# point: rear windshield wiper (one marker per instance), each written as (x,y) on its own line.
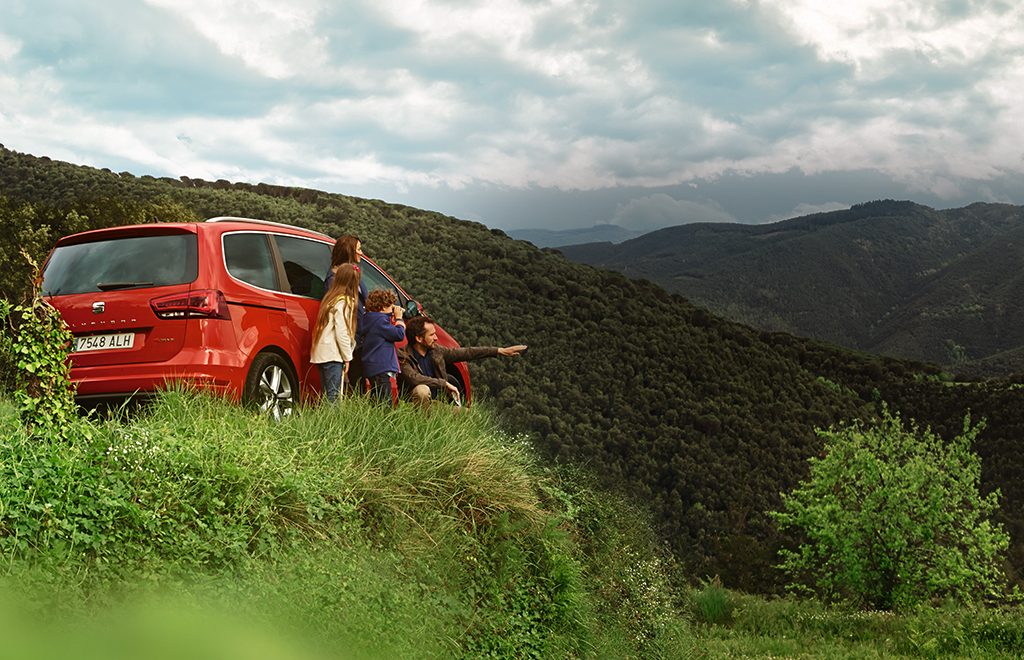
(110,286)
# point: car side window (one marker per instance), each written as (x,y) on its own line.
(305,264)
(374,279)
(247,257)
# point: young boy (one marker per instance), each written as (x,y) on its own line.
(382,327)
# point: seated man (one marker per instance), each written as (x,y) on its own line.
(423,361)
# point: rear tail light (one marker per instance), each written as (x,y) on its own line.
(204,304)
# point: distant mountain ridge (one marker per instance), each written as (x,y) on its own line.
(888,277)
(557,237)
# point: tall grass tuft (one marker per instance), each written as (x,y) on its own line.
(420,472)
(713,604)
(388,533)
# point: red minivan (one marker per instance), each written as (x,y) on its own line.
(226,304)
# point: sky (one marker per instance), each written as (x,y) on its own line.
(549,114)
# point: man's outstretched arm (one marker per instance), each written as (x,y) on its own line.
(475,352)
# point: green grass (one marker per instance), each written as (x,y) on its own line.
(352,528)
(196,529)
(804,629)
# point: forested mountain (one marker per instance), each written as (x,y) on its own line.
(887,277)
(703,419)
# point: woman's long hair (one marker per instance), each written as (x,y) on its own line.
(344,285)
(345,250)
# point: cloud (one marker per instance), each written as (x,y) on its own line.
(454,95)
(276,39)
(8,47)
(868,31)
(660,210)
(125,59)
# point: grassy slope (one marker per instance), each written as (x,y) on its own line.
(199,530)
(388,532)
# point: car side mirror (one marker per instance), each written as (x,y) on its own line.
(412,308)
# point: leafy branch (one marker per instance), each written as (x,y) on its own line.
(36,341)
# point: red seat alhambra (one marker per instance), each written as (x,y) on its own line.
(225,304)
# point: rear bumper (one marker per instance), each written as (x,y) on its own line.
(128,379)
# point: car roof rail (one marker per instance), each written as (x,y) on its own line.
(231,218)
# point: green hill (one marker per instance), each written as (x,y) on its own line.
(886,277)
(703,420)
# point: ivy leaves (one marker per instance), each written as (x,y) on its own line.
(36,340)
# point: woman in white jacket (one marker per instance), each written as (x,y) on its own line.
(334,335)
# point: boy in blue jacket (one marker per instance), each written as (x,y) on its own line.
(382,327)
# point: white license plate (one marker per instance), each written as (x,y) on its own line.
(104,342)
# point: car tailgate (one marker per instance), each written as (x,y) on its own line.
(123,327)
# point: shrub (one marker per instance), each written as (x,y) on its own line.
(893,518)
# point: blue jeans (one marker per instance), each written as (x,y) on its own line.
(330,379)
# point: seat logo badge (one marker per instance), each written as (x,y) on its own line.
(99,307)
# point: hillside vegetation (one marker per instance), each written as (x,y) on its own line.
(198,529)
(201,529)
(886,277)
(703,420)
(384,533)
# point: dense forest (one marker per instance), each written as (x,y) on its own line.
(887,277)
(703,419)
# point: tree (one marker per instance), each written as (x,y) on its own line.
(892,517)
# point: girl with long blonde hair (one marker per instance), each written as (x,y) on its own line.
(334,334)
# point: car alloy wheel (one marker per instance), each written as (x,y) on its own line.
(270,386)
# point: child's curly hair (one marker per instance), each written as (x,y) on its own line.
(380,299)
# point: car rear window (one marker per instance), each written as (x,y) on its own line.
(305,263)
(247,257)
(122,263)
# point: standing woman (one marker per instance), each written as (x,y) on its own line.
(348,249)
(334,335)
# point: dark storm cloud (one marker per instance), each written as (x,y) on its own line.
(540,113)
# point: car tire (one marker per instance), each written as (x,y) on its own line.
(271,386)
